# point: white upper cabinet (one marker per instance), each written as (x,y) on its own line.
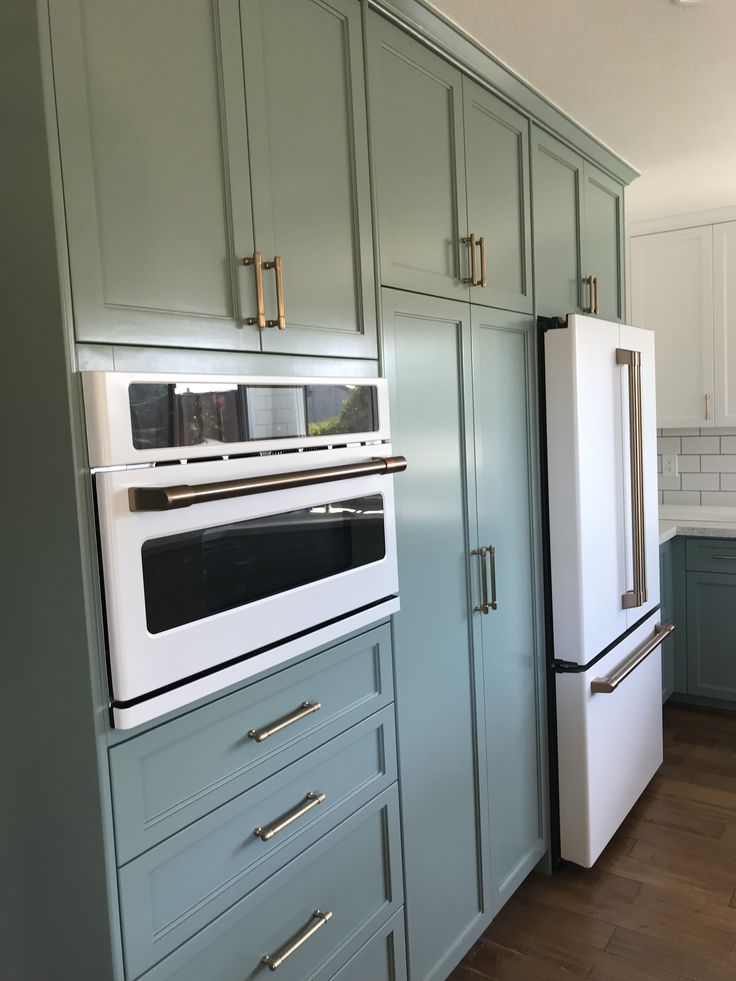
(724,321)
(672,293)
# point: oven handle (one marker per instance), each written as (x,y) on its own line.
(182,495)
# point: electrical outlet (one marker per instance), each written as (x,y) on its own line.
(669,464)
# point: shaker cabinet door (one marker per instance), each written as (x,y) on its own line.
(711,624)
(603,241)
(304,83)
(416,109)
(497,173)
(154,161)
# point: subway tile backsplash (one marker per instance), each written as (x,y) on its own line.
(706,467)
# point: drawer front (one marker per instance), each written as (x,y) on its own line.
(383,958)
(353,873)
(711,554)
(168,777)
(177,888)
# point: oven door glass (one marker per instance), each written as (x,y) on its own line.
(195,574)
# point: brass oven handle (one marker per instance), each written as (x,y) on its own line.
(318,920)
(492,559)
(638,595)
(483,271)
(305,709)
(484,606)
(256,261)
(605,686)
(472,279)
(278,266)
(183,495)
(311,800)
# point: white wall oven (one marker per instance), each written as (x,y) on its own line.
(242,521)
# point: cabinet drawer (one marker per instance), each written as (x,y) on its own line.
(170,776)
(177,888)
(383,958)
(711,555)
(353,874)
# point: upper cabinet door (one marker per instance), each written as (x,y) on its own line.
(557,175)
(304,84)
(724,322)
(151,122)
(497,174)
(672,294)
(415,101)
(603,244)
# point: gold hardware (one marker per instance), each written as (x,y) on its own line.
(483,275)
(596,304)
(256,261)
(604,686)
(588,281)
(484,606)
(274,961)
(310,801)
(184,495)
(305,709)
(725,558)
(707,407)
(492,557)
(472,279)
(638,595)
(278,266)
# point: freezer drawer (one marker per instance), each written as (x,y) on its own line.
(609,742)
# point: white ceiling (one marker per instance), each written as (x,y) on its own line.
(654,81)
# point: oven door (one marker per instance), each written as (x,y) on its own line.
(195,589)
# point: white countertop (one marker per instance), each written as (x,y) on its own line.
(699,522)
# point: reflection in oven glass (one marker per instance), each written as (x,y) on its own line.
(193,575)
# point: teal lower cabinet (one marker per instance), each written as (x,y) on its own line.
(711,630)
(667,616)
(469,684)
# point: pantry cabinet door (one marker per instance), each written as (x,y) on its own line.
(304,82)
(497,173)
(724,322)
(603,241)
(154,157)
(416,111)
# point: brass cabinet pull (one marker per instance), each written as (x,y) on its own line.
(256,261)
(318,920)
(311,800)
(594,295)
(724,558)
(605,686)
(483,272)
(484,606)
(278,266)
(472,279)
(588,281)
(707,407)
(492,558)
(305,709)
(638,595)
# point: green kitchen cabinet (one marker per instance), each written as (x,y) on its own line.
(176,169)
(469,685)
(452,177)
(666,591)
(711,627)
(578,233)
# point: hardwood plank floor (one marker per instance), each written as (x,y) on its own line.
(661,901)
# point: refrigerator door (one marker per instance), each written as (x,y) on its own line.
(609,743)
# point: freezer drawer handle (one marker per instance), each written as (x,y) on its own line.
(317,921)
(182,495)
(604,686)
(638,595)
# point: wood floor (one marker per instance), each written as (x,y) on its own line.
(661,902)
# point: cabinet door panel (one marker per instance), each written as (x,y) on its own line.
(603,240)
(513,668)
(151,122)
(440,707)
(497,171)
(724,318)
(672,294)
(309,168)
(711,625)
(667,600)
(416,125)
(557,177)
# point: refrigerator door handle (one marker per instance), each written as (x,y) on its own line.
(605,686)
(638,595)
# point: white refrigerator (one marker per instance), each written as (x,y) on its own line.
(603,575)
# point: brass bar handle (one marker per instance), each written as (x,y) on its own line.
(588,281)
(318,920)
(311,800)
(707,407)
(305,709)
(184,495)
(724,558)
(256,261)
(605,686)
(596,300)
(484,606)
(492,559)
(483,270)
(638,595)
(472,279)
(278,266)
